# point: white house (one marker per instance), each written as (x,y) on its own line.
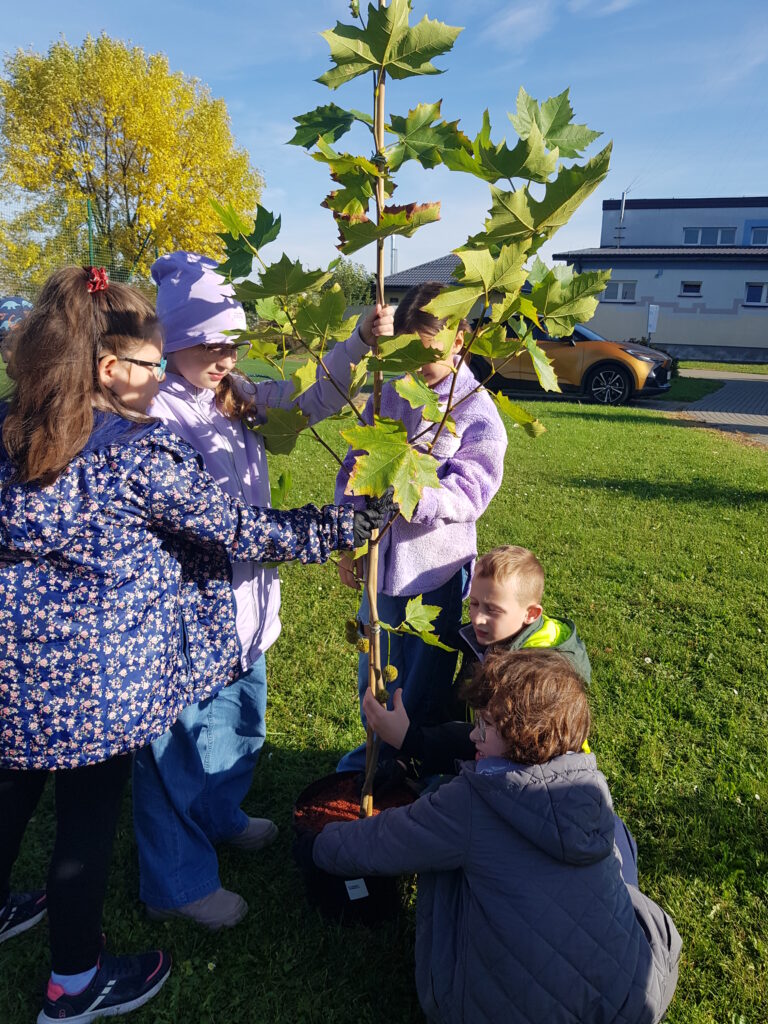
(703,262)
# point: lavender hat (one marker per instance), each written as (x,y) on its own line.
(194,304)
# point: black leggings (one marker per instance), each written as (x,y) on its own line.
(87,808)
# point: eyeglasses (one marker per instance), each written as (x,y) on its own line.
(222,350)
(157,368)
(480,724)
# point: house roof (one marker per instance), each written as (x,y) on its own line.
(435,270)
(723,203)
(690,253)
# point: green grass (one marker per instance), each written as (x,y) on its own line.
(653,535)
(732,367)
(689,389)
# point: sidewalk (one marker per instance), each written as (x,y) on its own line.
(741,404)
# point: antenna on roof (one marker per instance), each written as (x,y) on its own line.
(392,256)
(620,227)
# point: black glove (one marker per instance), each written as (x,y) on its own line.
(375,514)
(302,848)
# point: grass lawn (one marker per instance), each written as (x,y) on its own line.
(689,389)
(732,367)
(653,535)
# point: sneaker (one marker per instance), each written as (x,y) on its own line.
(258,833)
(121,984)
(219,909)
(23,910)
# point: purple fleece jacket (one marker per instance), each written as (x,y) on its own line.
(421,555)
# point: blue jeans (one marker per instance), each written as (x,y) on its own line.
(425,673)
(188,786)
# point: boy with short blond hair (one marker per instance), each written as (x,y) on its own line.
(506,614)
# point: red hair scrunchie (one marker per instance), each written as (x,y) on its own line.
(97,279)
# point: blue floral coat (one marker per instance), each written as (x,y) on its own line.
(116,606)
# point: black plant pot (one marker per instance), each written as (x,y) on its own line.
(367,900)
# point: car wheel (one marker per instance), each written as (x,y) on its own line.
(609,385)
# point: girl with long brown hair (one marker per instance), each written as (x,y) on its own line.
(114,545)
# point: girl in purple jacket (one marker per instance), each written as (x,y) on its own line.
(188,787)
(433,554)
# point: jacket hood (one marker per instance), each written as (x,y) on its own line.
(563,807)
(36,521)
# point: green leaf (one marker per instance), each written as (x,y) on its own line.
(323,320)
(517,216)
(230,218)
(419,621)
(304,378)
(389,460)
(564,298)
(520,416)
(387,43)
(341,164)
(262,346)
(244,239)
(420,138)
(542,364)
(553,120)
(494,342)
(357,232)
(278,489)
(282,428)
(283,278)
(419,395)
(454,304)
(357,377)
(329,121)
(505,274)
(403,354)
(490,161)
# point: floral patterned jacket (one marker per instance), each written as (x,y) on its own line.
(116,606)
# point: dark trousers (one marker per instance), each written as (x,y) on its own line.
(87,808)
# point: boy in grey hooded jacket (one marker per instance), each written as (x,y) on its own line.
(522,914)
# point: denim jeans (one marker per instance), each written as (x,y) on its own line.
(425,673)
(188,786)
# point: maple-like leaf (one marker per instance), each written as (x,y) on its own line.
(517,216)
(323,320)
(419,395)
(504,273)
(357,232)
(419,138)
(530,159)
(283,278)
(553,121)
(386,43)
(388,460)
(242,238)
(493,341)
(454,304)
(304,378)
(282,428)
(520,416)
(357,377)
(419,621)
(542,364)
(279,488)
(329,122)
(402,354)
(564,298)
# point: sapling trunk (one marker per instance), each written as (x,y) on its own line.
(375,679)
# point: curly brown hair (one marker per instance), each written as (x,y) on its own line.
(537,701)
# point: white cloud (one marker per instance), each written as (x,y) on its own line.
(524,22)
(599,10)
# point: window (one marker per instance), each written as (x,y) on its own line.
(759,236)
(710,236)
(619,291)
(690,288)
(756,294)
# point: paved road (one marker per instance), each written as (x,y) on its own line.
(741,404)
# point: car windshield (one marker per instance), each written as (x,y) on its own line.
(580,333)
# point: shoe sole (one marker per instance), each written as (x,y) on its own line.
(109,1011)
(156,914)
(257,844)
(23,926)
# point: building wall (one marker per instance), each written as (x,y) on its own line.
(665,226)
(715,325)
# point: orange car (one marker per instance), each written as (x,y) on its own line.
(608,372)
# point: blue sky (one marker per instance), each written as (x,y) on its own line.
(681,86)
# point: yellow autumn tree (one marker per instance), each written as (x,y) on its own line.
(107,123)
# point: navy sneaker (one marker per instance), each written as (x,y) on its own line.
(121,984)
(22,911)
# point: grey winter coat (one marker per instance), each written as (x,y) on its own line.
(523,917)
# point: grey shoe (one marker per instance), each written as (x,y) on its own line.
(258,833)
(219,909)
